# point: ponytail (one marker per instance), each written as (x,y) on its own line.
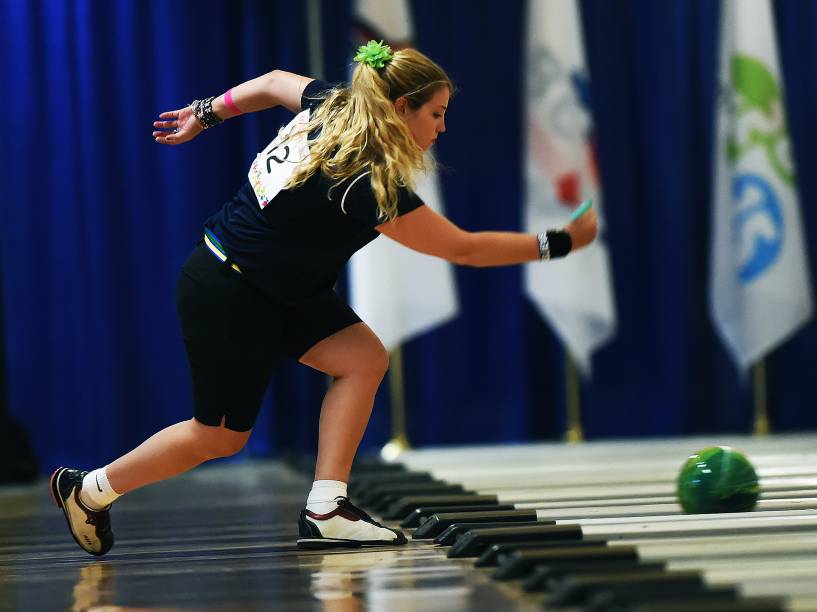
(360,129)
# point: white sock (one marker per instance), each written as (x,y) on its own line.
(322,496)
(96,490)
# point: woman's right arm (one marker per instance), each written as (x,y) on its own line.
(276,88)
(428,232)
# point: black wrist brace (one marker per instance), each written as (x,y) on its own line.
(559,242)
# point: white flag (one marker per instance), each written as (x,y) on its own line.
(575,294)
(760,287)
(398,292)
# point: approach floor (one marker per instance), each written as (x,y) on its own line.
(222,538)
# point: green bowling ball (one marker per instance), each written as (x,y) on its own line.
(717,479)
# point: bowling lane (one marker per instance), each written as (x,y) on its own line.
(632,471)
(766,506)
(778,450)
(616,500)
(783,495)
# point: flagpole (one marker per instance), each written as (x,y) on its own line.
(761,407)
(574,432)
(314,29)
(399,440)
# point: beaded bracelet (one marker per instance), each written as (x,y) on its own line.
(203,112)
(544,246)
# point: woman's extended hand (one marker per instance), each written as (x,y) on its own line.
(176,127)
(583,230)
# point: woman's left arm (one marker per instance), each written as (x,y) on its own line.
(428,232)
(276,88)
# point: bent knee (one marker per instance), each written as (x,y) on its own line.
(226,447)
(216,442)
(371,364)
(352,352)
(380,361)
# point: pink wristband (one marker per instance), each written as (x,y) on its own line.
(228,101)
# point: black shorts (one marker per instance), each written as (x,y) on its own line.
(235,336)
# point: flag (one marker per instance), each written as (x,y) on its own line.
(760,288)
(398,292)
(574,294)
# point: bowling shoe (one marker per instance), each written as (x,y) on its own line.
(90,528)
(345,526)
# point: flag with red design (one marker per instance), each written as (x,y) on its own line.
(574,294)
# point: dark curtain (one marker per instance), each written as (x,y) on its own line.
(98,219)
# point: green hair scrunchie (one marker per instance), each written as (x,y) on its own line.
(374,53)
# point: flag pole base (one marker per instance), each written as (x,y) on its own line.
(761,427)
(761,408)
(574,432)
(394,448)
(574,435)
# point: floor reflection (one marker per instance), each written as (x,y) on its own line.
(340,579)
(94,589)
(389,580)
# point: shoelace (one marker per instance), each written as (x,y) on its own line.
(345,503)
(99,519)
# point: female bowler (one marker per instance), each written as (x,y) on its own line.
(259,286)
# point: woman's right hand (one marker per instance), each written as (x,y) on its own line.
(176,127)
(583,230)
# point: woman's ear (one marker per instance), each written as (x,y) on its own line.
(400,105)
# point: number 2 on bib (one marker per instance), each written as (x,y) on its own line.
(273,167)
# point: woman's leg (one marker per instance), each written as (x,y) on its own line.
(231,356)
(357,361)
(171,451)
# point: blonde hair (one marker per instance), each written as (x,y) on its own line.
(359,128)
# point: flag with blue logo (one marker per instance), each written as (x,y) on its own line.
(574,294)
(760,284)
(398,292)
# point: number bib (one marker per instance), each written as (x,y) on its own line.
(273,167)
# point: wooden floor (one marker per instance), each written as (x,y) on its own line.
(222,538)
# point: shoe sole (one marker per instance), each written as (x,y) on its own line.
(317,543)
(55,495)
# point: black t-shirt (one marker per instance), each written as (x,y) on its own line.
(294,242)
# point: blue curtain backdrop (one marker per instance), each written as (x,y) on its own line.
(97,220)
